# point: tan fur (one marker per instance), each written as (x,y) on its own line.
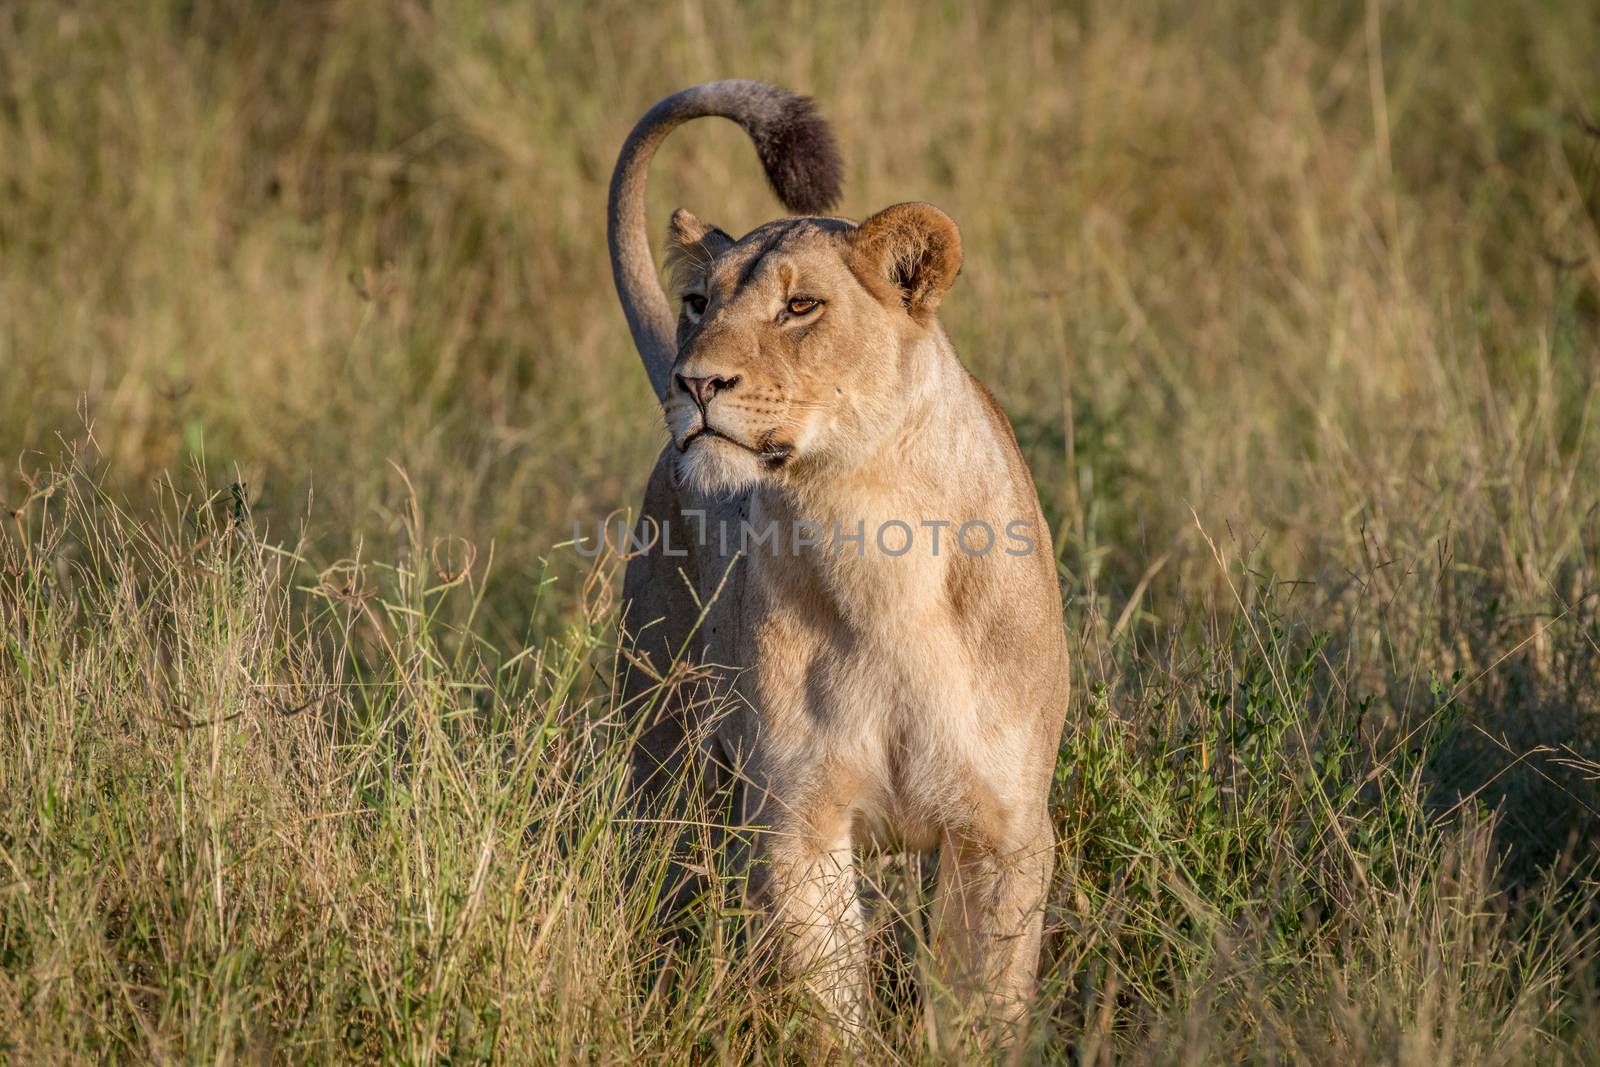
(903,701)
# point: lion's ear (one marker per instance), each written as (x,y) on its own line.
(691,245)
(910,253)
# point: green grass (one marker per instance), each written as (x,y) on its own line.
(310,362)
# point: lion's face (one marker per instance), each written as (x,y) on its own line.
(792,341)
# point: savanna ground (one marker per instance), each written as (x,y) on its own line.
(311,361)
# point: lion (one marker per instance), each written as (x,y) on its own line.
(889,690)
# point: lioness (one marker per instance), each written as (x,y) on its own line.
(895,689)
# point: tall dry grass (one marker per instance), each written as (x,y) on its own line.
(311,361)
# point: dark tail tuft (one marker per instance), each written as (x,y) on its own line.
(799,153)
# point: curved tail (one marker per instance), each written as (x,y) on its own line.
(802,164)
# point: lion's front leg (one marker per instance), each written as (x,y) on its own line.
(805,883)
(988,917)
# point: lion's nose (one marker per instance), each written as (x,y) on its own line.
(703,389)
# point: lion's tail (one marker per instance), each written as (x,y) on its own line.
(802,164)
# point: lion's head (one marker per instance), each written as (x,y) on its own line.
(794,341)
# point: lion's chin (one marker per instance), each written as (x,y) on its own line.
(717,467)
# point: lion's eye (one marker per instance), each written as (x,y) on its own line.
(802,306)
(696,303)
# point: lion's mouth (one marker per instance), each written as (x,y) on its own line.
(772,451)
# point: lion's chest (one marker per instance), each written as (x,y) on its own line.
(874,703)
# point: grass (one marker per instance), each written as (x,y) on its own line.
(311,362)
